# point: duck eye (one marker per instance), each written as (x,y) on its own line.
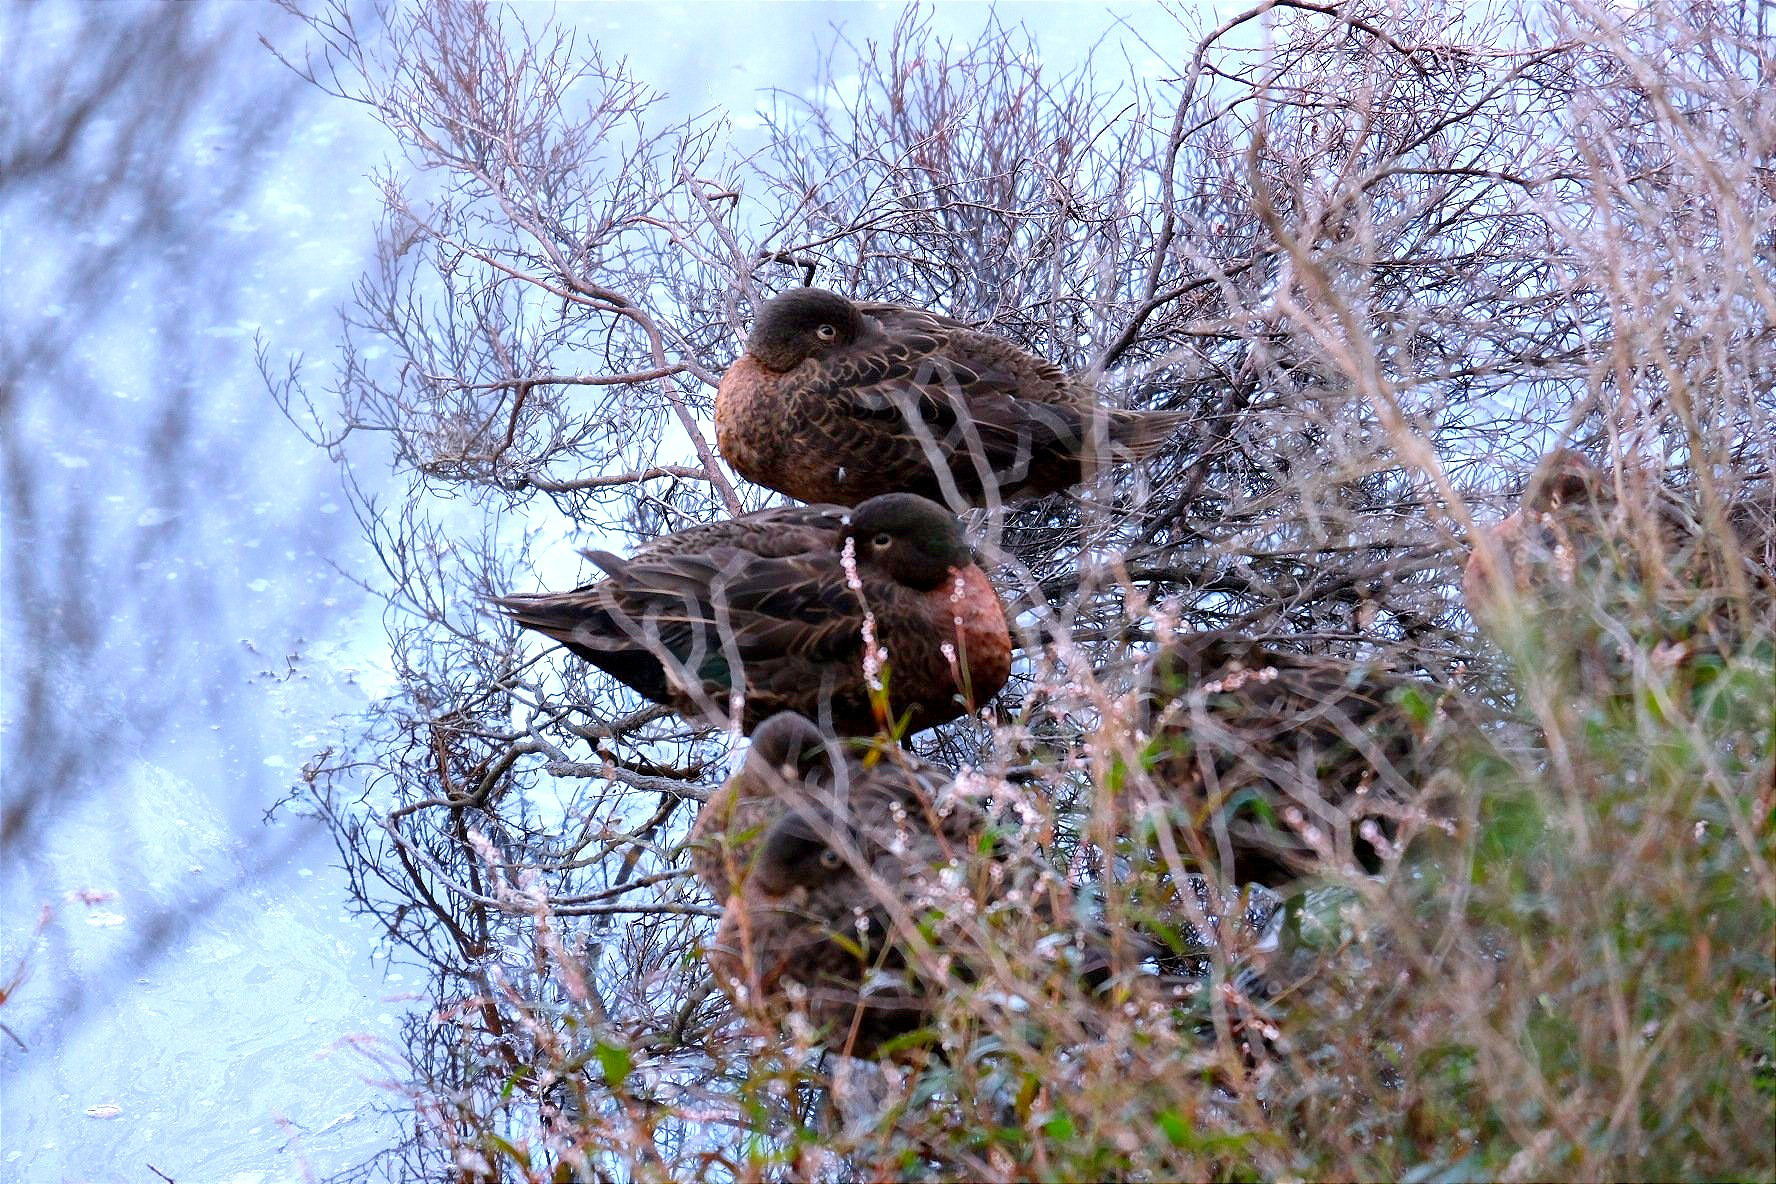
(829,858)
(882,539)
(826,332)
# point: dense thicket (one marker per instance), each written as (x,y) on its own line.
(1386,258)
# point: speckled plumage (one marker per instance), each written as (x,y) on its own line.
(832,853)
(1259,746)
(902,399)
(813,855)
(763,602)
(1585,541)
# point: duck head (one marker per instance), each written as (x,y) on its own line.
(800,323)
(911,538)
(787,749)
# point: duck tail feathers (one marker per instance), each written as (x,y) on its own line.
(1143,433)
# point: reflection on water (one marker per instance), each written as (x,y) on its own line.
(175,643)
(205,1007)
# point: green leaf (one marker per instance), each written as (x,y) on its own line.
(615,1062)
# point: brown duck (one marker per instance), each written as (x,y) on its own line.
(1586,546)
(1276,758)
(1531,546)
(830,854)
(770,782)
(835,401)
(768,606)
(810,927)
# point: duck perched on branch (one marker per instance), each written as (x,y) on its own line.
(1591,552)
(858,879)
(1280,762)
(841,401)
(865,619)
(771,780)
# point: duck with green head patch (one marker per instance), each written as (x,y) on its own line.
(774,606)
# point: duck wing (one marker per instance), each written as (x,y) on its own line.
(953,407)
(901,318)
(711,611)
(976,402)
(778,532)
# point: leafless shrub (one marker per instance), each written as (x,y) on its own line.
(1386,259)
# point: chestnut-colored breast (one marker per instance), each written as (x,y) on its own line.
(967,609)
(1483,587)
(750,422)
